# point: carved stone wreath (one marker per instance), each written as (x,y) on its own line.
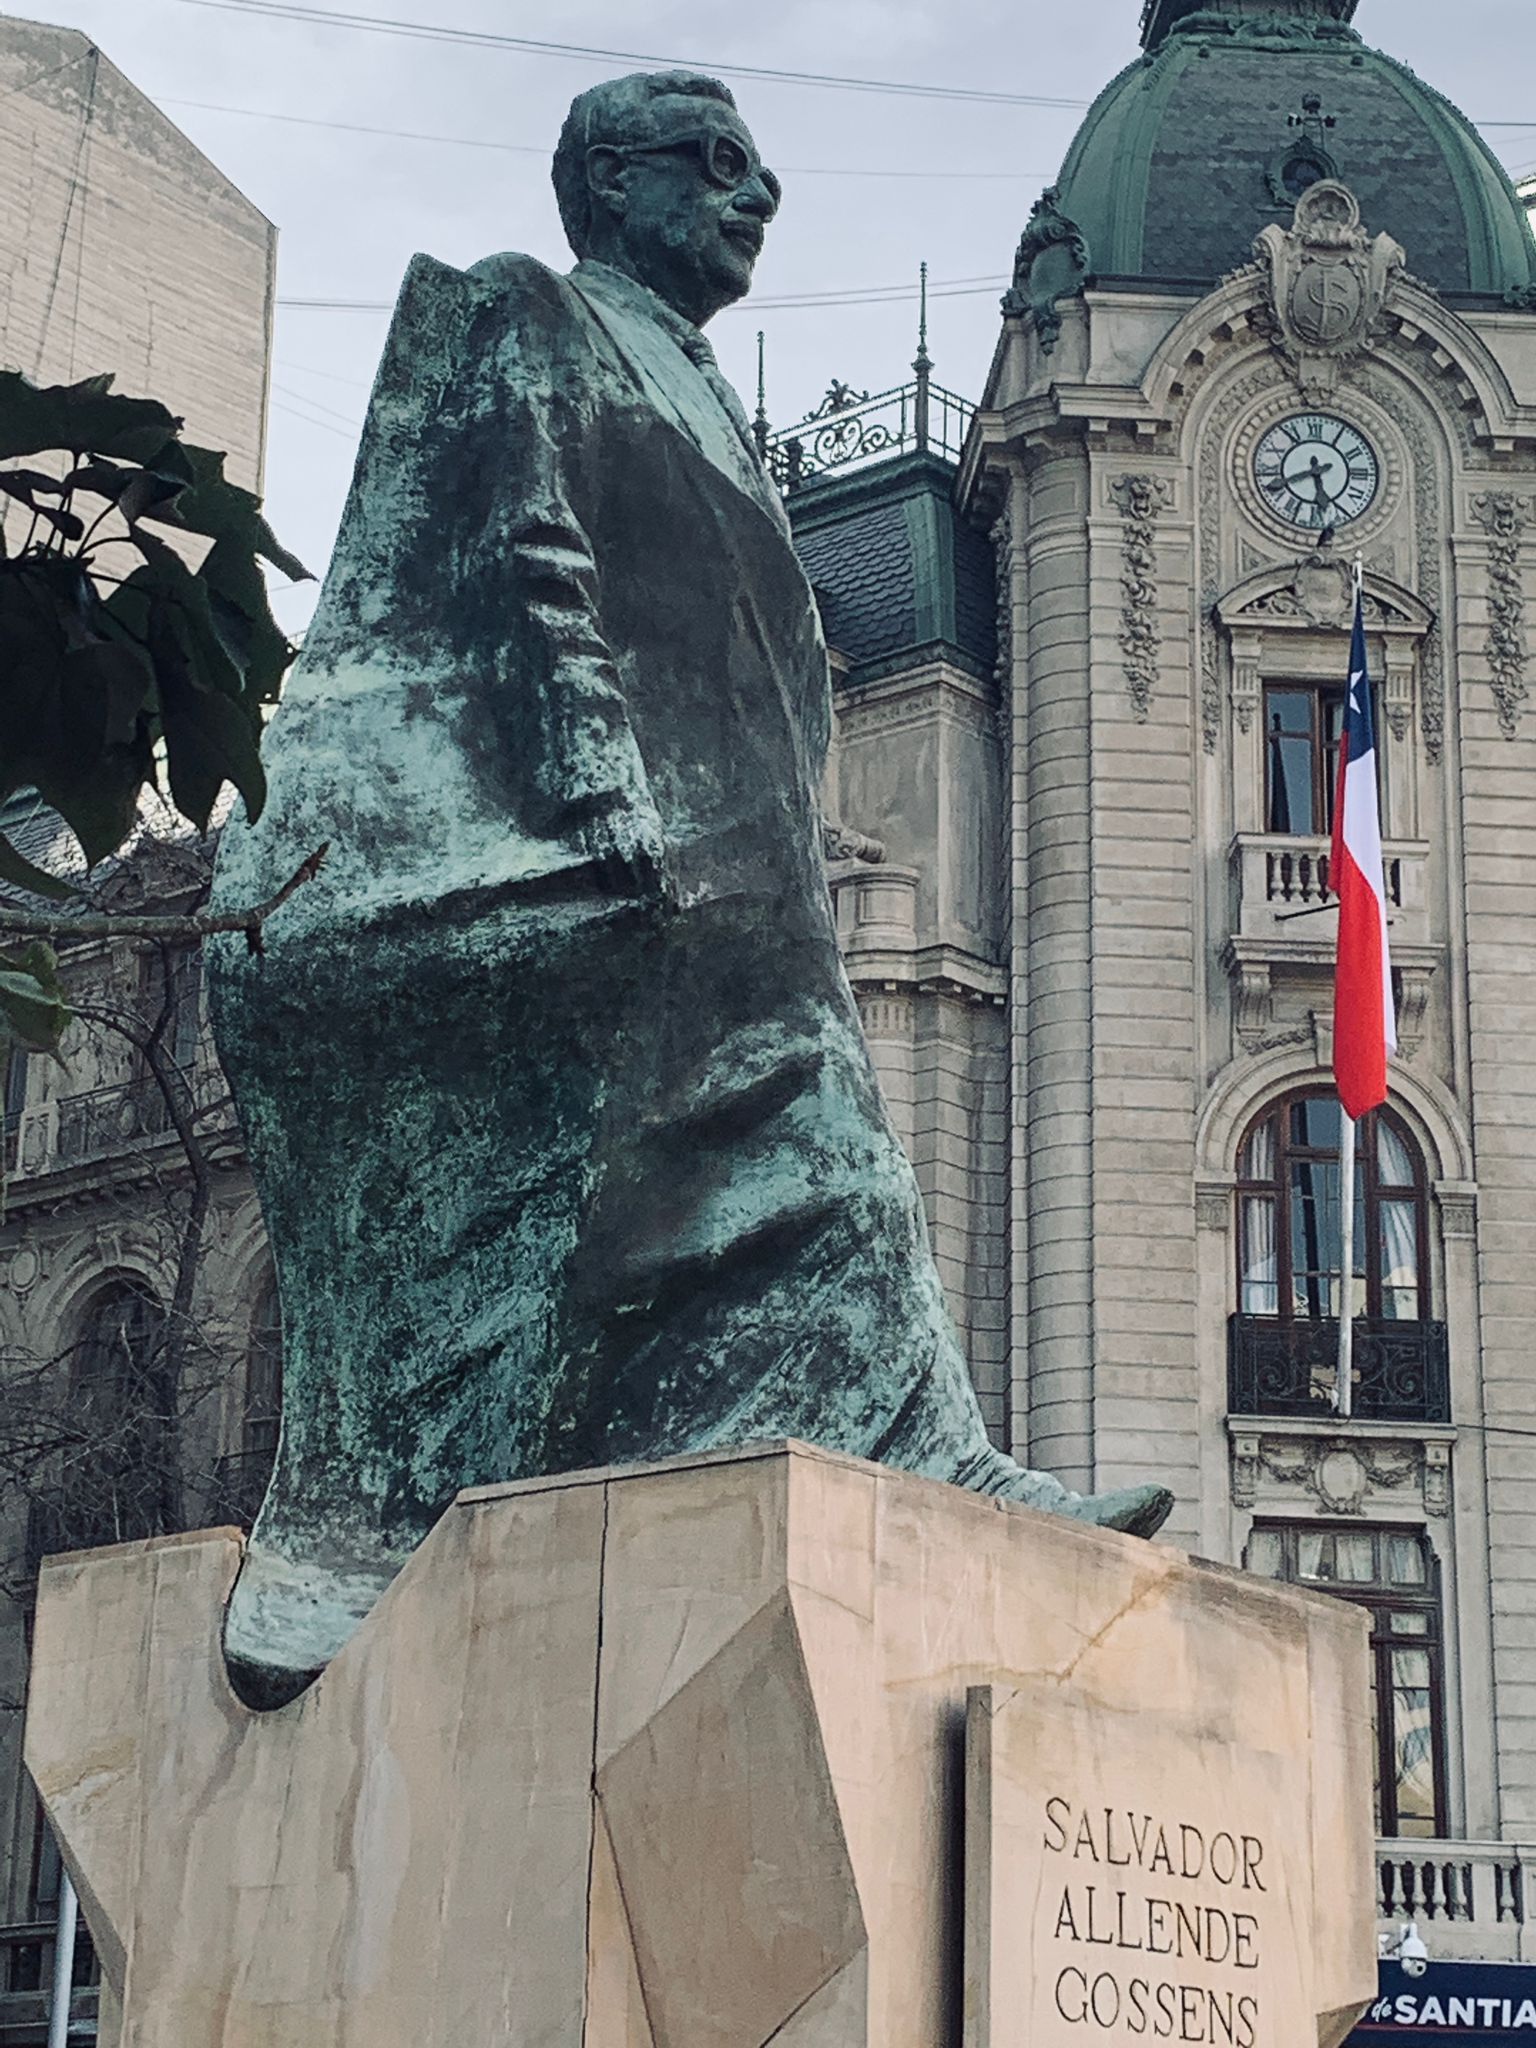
(1140,499)
(1340,1472)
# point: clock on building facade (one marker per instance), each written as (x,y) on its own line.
(1316,470)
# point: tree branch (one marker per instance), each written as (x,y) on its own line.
(188,930)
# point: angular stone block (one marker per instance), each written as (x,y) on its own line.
(675,1757)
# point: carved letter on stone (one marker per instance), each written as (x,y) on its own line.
(1504,518)
(1328,280)
(1140,499)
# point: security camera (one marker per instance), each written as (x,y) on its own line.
(1411,1952)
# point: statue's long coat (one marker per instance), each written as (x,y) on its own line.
(568,1143)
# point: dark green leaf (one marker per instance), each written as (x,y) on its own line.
(23,875)
(88,416)
(168,581)
(33,1010)
(237,593)
(22,483)
(224,512)
(210,739)
(104,691)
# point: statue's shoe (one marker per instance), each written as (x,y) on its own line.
(1138,1510)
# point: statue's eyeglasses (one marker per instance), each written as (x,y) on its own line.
(725,161)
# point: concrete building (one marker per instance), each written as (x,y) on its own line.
(122,249)
(1278,312)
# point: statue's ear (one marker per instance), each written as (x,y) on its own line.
(605,179)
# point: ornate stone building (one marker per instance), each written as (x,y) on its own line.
(1089,646)
(122,249)
(1278,313)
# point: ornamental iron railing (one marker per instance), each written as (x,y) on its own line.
(109,1120)
(1402,1370)
(851,429)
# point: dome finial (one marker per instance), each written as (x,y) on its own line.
(1158,17)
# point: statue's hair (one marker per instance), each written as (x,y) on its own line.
(618,112)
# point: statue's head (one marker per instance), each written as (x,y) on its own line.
(658,175)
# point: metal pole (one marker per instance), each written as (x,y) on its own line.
(922,365)
(63,1963)
(1344,1377)
(1344,1382)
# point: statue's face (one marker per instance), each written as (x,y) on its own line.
(687,208)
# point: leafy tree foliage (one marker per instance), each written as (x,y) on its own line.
(123,657)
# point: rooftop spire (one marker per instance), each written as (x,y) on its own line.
(1158,17)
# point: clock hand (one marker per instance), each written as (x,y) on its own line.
(1319,473)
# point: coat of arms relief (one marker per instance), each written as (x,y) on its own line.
(1329,281)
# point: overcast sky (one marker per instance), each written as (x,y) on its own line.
(874,182)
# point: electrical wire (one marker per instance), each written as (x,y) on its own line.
(379,24)
(544,151)
(871,295)
(280,405)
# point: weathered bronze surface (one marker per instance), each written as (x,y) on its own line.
(567,1139)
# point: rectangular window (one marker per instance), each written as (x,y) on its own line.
(1393,1575)
(1302,726)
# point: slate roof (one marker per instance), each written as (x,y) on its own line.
(1170,175)
(894,566)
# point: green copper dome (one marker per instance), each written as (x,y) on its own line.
(1237,105)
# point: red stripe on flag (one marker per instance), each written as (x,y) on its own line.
(1359,1002)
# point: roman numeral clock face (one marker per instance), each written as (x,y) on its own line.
(1315,470)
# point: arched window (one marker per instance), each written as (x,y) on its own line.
(1288,1216)
(1283,1345)
(264,1379)
(247,1468)
(114,1479)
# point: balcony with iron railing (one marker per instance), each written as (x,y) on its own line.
(1469,1900)
(1401,1369)
(1280,889)
(851,429)
(67,1132)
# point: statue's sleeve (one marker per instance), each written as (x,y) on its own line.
(469,554)
(551,400)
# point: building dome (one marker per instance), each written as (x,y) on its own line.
(1237,105)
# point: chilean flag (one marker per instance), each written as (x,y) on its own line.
(1364,1015)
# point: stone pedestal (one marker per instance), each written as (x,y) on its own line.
(766,1746)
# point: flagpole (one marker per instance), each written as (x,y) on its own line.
(1344,1382)
(1344,1377)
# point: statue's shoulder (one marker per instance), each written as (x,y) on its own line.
(521,280)
(523,276)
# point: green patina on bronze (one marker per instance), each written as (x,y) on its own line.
(556,1096)
(567,1139)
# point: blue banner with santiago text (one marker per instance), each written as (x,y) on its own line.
(1469,2003)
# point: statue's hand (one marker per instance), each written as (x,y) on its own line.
(623,841)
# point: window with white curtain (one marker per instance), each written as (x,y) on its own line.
(1288,1216)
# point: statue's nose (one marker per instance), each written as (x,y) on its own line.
(756,197)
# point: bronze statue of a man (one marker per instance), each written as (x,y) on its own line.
(568,1142)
